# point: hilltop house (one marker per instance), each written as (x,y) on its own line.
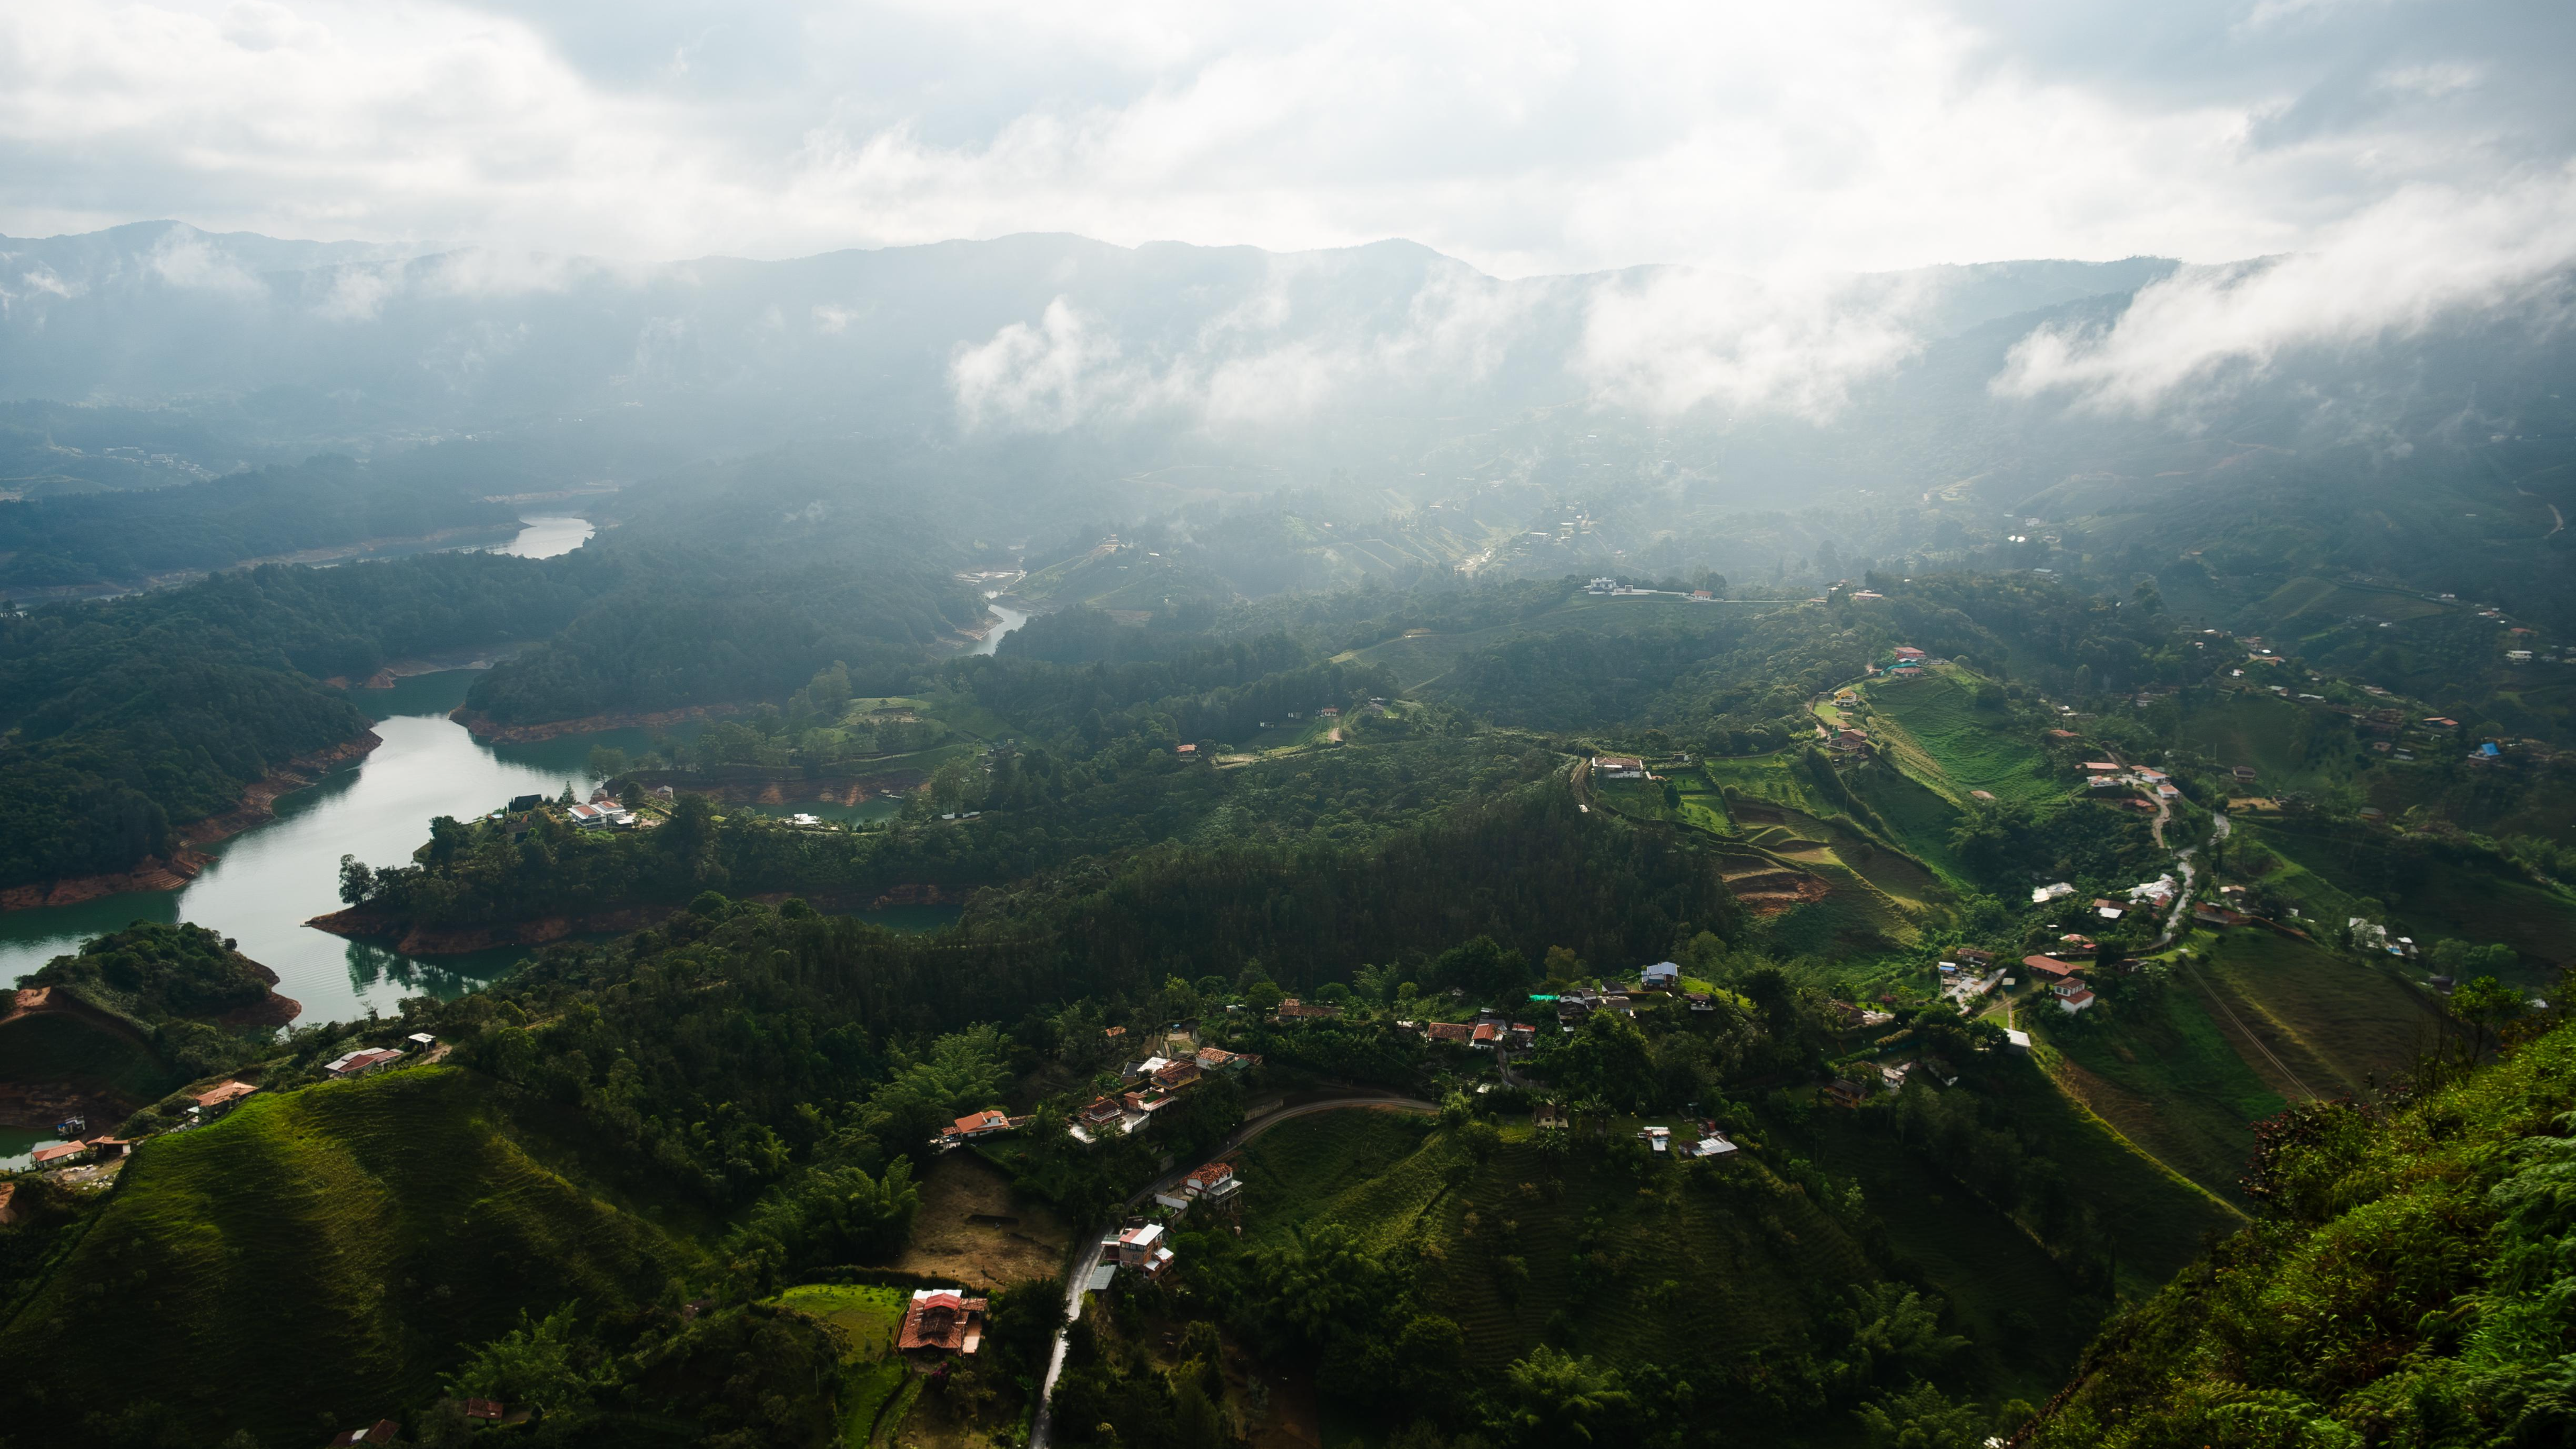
(1662,976)
(1619,767)
(1449,1031)
(2048,969)
(941,1321)
(217,1098)
(364,1062)
(2072,995)
(1712,1145)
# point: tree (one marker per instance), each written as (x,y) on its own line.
(1922,1417)
(542,1363)
(607,762)
(1554,1398)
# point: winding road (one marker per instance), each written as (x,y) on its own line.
(1041,1431)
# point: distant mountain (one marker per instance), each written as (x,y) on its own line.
(1035,332)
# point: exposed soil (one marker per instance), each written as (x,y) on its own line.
(948,1241)
(483,728)
(1768,893)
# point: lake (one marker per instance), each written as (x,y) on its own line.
(265,883)
(546,535)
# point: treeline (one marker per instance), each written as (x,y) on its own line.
(1224,691)
(323,502)
(130,718)
(1038,811)
(693,628)
(707,1033)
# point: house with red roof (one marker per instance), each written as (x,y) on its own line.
(941,1321)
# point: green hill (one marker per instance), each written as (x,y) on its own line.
(1932,728)
(2405,1282)
(315,1259)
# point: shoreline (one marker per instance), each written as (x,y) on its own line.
(154,873)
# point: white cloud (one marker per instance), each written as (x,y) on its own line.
(2398,269)
(1524,137)
(1279,356)
(1060,373)
(1680,340)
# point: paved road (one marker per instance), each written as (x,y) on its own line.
(1043,1428)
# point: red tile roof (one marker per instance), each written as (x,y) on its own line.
(942,1320)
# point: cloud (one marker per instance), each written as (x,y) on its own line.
(1314,333)
(1526,138)
(1679,340)
(1060,373)
(2424,256)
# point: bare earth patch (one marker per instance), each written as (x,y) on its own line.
(973,1231)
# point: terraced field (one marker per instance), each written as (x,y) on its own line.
(324,1254)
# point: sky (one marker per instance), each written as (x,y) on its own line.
(1758,139)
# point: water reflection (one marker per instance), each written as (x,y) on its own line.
(545,535)
(264,884)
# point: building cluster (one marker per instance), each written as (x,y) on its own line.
(81,1155)
(1149,1086)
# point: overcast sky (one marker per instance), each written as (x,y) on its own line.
(1763,138)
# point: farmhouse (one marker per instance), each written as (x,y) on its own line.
(1294,1010)
(1662,976)
(986,1123)
(2072,995)
(214,1098)
(2042,895)
(1619,767)
(1449,1031)
(2043,966)
(364,1062)
(942,1320)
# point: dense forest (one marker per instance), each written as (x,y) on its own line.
(128,720)
(325,502)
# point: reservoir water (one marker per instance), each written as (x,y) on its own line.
(265,883)
(545,535)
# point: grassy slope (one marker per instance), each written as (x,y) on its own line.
(872,1373)
(2439,898)
(2171,1070)
(1750,1265)
(1932,728)
(2160,1068)
(319,1257)
(2375,1307)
